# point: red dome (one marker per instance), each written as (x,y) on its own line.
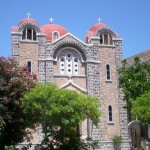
(91,32)
(27,20)
(48,29)
(95,27)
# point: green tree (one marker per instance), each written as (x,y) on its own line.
(62,108)
(13,82)
(134,80)
(141,107)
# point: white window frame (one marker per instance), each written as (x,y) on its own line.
(72,63)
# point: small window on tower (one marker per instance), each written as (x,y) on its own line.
(29,66)
(106,39)
(107,72)
(110,113)
(29,34)
(55,35)
(101,39)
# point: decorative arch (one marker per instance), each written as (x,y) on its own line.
(69,60)
(29,31)
(106,30)
(72,44)
(106,36)
(30,25)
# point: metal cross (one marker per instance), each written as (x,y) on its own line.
(99,20)
(51,20)
(28,14)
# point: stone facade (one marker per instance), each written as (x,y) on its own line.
(93,71)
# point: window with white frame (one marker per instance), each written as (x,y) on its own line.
(29,34)
(110,118)
(55,35)
(108,72)
(69,64)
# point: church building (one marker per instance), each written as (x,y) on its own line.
(53,54)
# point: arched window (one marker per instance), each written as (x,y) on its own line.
(29,34)
(29,66)
(108,72)
(55,35)
(106,39)
(69,64)
(110,118)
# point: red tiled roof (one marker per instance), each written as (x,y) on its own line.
(48,29)
(27,20)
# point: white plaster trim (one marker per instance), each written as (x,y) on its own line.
(40,34)
(133,123)
(93,37)
(103,45)
(16,33)
(49,59)
(65,75)
(29,41)
(40,59)
(123,141)
(117,39)
(70,82)
(92,61)
(110,123)
(90,45)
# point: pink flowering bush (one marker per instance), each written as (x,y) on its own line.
(14,81)
(63,140)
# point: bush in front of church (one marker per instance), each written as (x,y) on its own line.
(14,81)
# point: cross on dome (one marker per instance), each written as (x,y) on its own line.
(51,20)
(99,20)
(28,14)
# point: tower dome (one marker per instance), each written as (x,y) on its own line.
(95,29)
(92,31)
(53,31)
(27,20)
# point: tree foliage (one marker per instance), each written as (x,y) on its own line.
(59,107)
(14,81)
(141,108)
(134,80)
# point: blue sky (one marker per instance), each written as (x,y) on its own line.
(130,18)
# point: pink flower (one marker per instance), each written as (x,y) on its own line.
(3,59)
(51,142)
(67,139)
(18,73)
(34,76)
